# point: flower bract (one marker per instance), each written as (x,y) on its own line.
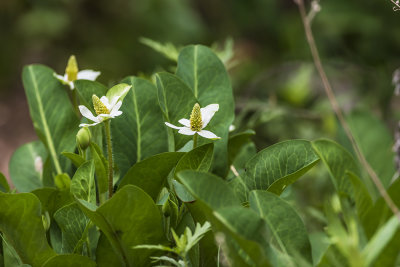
(72,74)
(199,119)
(104,107)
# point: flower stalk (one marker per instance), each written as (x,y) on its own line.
(110,158)
(194,140)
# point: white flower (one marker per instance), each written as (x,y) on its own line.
(72,74)
(104,107)
(82,75)
(199,119)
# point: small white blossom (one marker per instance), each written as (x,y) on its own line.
(82,75)
(104,107)
(199,119)
(72,74)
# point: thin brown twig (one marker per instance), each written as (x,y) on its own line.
(336,108)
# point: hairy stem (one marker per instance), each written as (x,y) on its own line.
(336,108)
(110,158)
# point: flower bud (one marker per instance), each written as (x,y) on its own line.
(83,138)
(72,69)
(166,209)
(46,221)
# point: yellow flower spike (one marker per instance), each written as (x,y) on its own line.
(99,107)
(196,122)
(199,119)
(72,69)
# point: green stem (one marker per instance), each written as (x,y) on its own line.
(110,158)
(194,140)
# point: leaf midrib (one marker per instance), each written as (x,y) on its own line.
(195,85)
(265,218)
(44,122)
(138,124)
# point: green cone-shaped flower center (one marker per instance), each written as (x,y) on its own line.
(99,107)
(196,123)
(72,69)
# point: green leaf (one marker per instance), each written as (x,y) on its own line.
(236,142)
(377,217)
(151,173)
(119,90)
(279,165)
(105,255)
(240,188)
(21,223)
(140,132)
(198,159)
(375,142)
(338,162)
(361,195)
(52,199)
(176,101)
(166,49)
(10,256)
(71,260)
(62,181)
(381,238)
(237,224)
(82,184)
(86,89)
(210,188)
(287,229)
(244,236)
(73,224)
(101,168)
(76,159)
(52,113)
(128,219)
(181,192)
(332,258)
(4,187)
(206,76)
(215,193)
(26,166)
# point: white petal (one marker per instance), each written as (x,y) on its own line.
(88,75)
(172,126)
(87,113)
(115,113)
(208,112)
(116,107)
(186,131)
(61,78)
(185,122)
(208,134)
(104,100)
(114,100)
(86,125)
(232,128)
(71,85)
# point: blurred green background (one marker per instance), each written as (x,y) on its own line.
(277,90)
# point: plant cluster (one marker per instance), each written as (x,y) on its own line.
(111,182)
